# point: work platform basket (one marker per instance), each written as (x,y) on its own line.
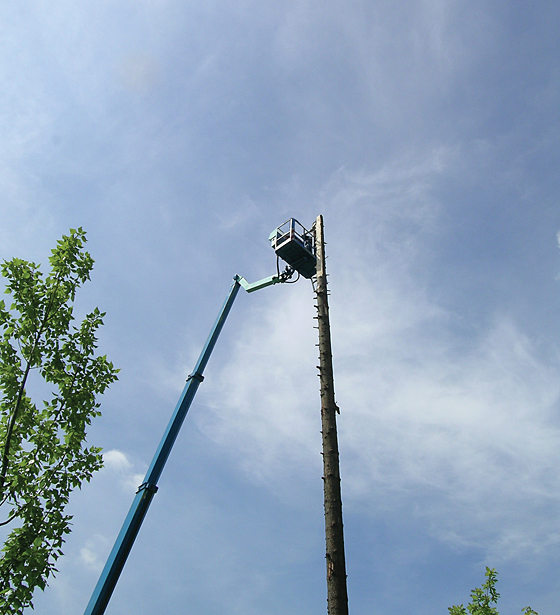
(295,245)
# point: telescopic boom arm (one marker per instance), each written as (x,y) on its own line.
(131,526)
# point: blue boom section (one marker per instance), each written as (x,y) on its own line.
(131,526)
(295,245)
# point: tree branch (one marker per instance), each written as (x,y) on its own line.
(6,451)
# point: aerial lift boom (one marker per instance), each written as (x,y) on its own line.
(131,526)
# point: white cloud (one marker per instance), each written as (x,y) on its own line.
(117,463)
(116,460)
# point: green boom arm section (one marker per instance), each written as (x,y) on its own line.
(251,288)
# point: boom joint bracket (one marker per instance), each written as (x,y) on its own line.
(196,376)
(149,487)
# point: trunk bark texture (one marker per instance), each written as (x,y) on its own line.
(337,595)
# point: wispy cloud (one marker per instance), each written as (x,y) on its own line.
(454,421)
(179,134)
(93,552)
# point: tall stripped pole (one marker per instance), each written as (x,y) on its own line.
(337,594)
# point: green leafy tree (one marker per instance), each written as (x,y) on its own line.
(43,456)
(482,599)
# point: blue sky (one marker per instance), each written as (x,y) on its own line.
(179,134)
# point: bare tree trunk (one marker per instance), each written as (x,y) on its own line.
(337,595)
